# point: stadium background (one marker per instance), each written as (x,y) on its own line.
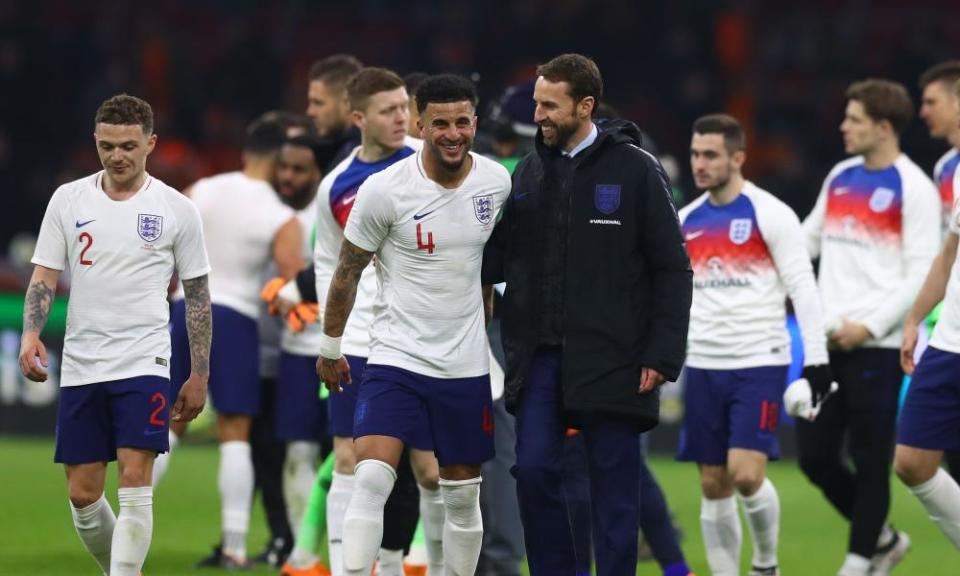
(209,67)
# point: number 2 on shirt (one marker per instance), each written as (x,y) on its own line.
(83,253)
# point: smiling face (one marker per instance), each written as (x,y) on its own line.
(557,114)
(123,151)
(448,130)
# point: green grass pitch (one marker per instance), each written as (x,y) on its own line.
(37,537)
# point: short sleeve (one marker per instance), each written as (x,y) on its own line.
(371,217)
(51,249)
(189,248)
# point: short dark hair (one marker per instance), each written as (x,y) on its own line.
(883,100)
(335,71)
(444,89)
(947,72)
(291,120)
(324,149)
(579,72)
(125,110)
(734,138)
(265,135)
(368,82)
(413,81)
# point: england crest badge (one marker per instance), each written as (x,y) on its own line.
(882,199)
(740,229)
(606,198)
(149,227)
(483,208)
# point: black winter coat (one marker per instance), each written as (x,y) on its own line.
(627,282)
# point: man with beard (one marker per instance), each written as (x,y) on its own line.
(875,227)
(594,314)
(426,218)
(746,250)
(328,105)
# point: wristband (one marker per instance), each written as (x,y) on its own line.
(330,347)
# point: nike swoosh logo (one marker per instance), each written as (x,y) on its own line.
(349,200)
(421,216)
(149,432)
(82,224)
(694,235)
(840,191)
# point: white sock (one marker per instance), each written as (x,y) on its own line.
(940,496)
(763,518)
(432,515)
(338,498)
(363,522)
(855,565)
(131,536)
(391,563)
(299,474)
(235,480)
(720,524)
(162,461)
(94,524)
(463,526)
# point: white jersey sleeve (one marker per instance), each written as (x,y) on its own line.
(371,217)
(813,224)
(189,249)
(784,236)
(51,248)
(946,334)
(920,244)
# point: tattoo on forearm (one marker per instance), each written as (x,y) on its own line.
(343,287)
(37,305)
(199,323)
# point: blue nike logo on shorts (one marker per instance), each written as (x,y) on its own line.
(82,224)
(149,432)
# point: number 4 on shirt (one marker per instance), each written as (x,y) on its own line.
(429,246)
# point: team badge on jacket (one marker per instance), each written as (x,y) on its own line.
(149,227)
(881,199)
(483,208)
(606,197)
(740,229)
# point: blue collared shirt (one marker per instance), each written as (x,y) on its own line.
(585,143)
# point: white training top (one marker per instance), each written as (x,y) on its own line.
(747,256)
(946,334)
(876,233)
(307,342)
(943,176)
(121,256)
(428,316)
(335,201)
(241,217)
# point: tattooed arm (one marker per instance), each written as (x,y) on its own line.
(340,299)
(36,310)
(193,394)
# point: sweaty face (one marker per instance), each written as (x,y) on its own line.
(384,121)
(710,161)
(555,112)
(297,174)
(940,109)
(327,108)
(448,131)
(123,150)
(861,133)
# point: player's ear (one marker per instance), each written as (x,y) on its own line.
(358,118)
(151,142)
(739,157)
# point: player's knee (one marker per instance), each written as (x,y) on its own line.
(910,469)
(82,496)
(715,487)
(132,476)
(344,456)
(747,482)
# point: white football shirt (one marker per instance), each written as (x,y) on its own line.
(241,216)
(747,257)
(946,334)
(121,256)
(428,315)
(876,233)
(335,200)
